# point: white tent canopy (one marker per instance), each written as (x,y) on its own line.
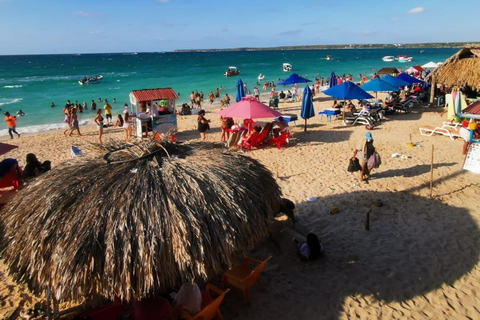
(430,65)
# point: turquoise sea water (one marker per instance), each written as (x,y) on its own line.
(32,82)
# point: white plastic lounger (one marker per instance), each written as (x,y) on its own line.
(430,131)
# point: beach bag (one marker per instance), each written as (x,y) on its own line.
(354,165)
(374,161)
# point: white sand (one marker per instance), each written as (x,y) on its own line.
(418,261)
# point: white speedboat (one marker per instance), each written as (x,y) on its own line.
(260,77)
(328,57)
(388,58)
(287,67)
(404,58)
(89,80)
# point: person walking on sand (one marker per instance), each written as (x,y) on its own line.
(203,124)
(11,124)
(74,125)
(99,121)
(367,149)
(126,124)
(108,113)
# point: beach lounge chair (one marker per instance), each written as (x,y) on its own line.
(404,106)
(257,139)
(281,139)
(210,305)
(358,119)
(243,277)
(444,130)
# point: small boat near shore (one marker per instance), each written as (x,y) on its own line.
(231,71)
(287,67)
(403,58)
(89,80)
(388,58)
(261,77)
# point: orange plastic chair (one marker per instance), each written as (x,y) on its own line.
(281,139)
(243,278)
(210,306)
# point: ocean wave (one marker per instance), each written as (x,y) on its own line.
(5,101)
(14,86)
(42,128)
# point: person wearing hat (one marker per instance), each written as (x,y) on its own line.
(367,149)
(203,124)
(11,124)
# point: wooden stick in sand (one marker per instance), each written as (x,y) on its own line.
(431,173)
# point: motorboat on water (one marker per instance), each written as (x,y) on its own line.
(403,58)
(260,77)
(287,67)
(328,57)
(388,58)
(89,80)
(231,71)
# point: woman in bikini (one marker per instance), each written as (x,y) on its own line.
(99,121)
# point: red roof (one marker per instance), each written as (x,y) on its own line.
(154,94)
(474,108)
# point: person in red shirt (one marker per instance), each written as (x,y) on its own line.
(11,124)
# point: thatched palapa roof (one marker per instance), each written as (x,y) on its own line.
(131,228)
(388,70)
(463,68)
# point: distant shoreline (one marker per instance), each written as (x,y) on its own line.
(339,46)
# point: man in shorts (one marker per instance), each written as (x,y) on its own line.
(108,113)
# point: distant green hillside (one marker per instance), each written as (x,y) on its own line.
(340,46)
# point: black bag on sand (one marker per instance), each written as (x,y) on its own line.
(354,165)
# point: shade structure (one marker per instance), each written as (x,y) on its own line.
(411,80)
(474,108)
(430,65)
(239,91)
(249,108)
(378,85)
(347,91)
(307,110)
(333,80)
(5,147)
(394,81)
(292,79)
(149,217)
(387,71)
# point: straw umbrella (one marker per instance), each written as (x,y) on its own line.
(463,68)
(138,221)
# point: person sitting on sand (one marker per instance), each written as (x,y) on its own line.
(188,298)
(34,168)
(310,250)
(119,122)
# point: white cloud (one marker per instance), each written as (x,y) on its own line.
(416,10)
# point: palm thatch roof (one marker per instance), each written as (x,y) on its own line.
(388,70)
(149,217)
(463,68)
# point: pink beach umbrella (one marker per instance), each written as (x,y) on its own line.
(249,108)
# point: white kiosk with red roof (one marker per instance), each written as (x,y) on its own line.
(153,111)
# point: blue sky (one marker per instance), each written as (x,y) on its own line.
(94,26)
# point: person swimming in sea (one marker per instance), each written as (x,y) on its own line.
(20,113)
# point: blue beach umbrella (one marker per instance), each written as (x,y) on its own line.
(347,91)
(409,79)
(378,85)
(240,91)
(333,80)
(292,79)
(307,111)
(394,81)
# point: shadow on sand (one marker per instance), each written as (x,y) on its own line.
(406,253)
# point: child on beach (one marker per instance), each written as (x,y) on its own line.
(11,124)
(310,250)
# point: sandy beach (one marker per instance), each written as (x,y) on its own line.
(419,260)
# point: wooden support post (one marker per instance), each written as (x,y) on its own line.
(432,92)
(305,130)
(431,173)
